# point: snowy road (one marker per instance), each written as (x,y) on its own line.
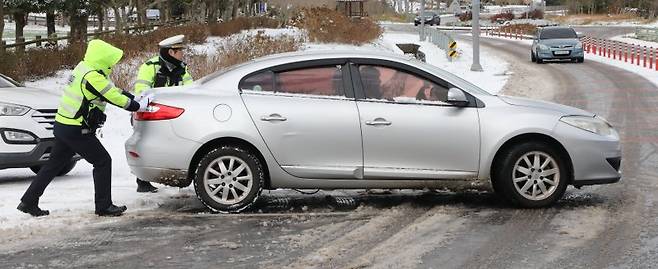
(614,226)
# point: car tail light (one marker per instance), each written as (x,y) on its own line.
(159,112)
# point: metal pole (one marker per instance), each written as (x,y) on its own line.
(422,20)
(476,37)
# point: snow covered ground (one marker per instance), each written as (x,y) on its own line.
(70,198)
(631,39)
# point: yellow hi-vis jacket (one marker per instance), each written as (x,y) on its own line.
(146,76)
(89,85)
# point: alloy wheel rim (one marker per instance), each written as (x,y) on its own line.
(228,180)
(536,175)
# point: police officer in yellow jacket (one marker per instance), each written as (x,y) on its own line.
(165,70)
(80,114)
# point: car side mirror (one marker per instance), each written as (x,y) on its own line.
(457,97)
(580,35)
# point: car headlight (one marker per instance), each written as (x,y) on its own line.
(543,47)
(579,45)
(595,124)
(7,109)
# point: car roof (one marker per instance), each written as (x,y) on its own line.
(309,55)
(556,28)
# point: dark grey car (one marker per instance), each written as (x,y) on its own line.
(431,18)
(556,43)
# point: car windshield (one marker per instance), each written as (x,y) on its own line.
(6,82)
(558,33)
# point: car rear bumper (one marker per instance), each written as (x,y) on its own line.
(157,154)
(169,177)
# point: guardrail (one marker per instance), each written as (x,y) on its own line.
(507,33)
(444,41)
(21,43)
(643,56)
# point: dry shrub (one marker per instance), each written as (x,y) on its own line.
(241,50)
(466,16)
(534,14)
(40,62)
(507,16)
(525,28)
(329,26)
(242,23)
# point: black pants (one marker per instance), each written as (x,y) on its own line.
(68,141)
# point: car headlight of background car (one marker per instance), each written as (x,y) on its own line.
(579,45)
(7,109)
(543,47)
(595,124)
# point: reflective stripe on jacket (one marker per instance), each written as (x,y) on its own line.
(89,86)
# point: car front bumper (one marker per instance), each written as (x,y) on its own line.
(560,54)
(38,156)
(596,159)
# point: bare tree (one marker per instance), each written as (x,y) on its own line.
(2,18)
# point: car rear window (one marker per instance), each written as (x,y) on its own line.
(322,81)
(558,33)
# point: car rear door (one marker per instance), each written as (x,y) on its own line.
(307,115)
(409,130)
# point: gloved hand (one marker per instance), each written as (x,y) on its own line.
(144,102)
(143,94)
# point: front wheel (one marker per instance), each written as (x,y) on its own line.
(65,170)
(531,174)
(229,179)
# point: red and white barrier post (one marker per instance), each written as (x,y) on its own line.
(645,57)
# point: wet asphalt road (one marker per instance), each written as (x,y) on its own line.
(610,226)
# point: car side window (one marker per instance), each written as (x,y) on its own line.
(323,81)
(393,85)
(262,81)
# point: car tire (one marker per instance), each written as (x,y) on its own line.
(539,60)
(580,60)
(217,197)
(532,57)
(64,171)
(521,176)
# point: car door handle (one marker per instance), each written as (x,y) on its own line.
(273,117)
(378,122)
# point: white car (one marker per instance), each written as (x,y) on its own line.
(27,116)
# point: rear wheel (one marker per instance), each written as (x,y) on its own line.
(531,174)
(229,179)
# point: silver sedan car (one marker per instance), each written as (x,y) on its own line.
(355,120)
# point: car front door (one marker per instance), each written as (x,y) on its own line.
(307,116)
(409,128)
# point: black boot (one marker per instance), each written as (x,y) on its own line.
(33,210)
(112,211)
(145,186)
